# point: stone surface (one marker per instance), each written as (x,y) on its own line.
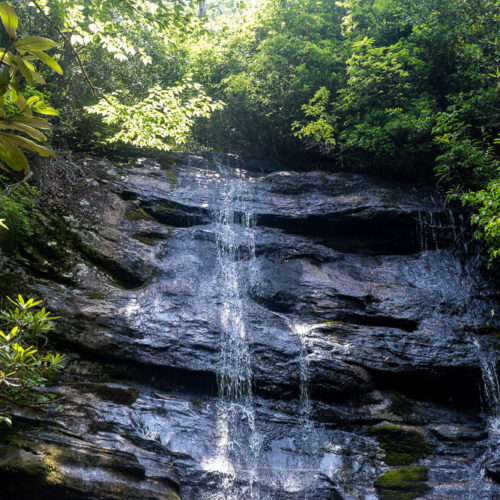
(351,282)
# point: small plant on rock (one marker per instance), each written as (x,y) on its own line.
(25,369)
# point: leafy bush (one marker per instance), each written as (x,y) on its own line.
(25,369)
(486,217)
(20,213)
(17,112)
(163,120)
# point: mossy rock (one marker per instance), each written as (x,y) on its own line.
(167,210)
(400,405)
(171,179)
(402,484)
(401,447)
(146,240)
(196,403)
(138,213)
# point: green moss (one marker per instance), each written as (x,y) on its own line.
(402,484)
(167,210)
(172,179)
(15,442)
(400,405)
(54,475)
(401,446)
(196,403)
(97,296)
(173,496)
(138,213)
(146,240)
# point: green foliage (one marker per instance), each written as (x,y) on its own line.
(19,209)
(486,218)
(130,51)
(465,134)
(265,63)
(162,120)
(320,130)
(405,483)
(24,368)
(17,112)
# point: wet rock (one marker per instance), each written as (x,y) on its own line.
(355,313)
(492,469)
(112,392)
(58,466)
(460,433)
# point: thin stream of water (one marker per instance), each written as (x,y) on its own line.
(491,386)
(431,229)
(237,440)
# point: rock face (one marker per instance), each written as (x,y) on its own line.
(238,334)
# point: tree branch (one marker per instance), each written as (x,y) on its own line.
(20,404)
(7,192)
(66,39)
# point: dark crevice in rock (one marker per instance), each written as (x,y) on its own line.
(175,214)
(127,371)
(46,272)
(382,234)
(408,325)
(283,302)
(458,388)
(128,195)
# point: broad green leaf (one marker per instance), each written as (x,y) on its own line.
(32,100)
(12,155)
(46,110)
(32,132)
(19,64)
(21,101)
(27,144)
(34,121)
(34,43)
(9,19)
(36,76)
(47,60)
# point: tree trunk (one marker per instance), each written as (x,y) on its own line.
(202,9)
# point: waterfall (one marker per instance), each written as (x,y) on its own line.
(431,229)
(302,331)
(491,387)
(237,439)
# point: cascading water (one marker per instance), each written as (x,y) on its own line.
(235,243)
(302,330)
(491,387)
(222,308)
